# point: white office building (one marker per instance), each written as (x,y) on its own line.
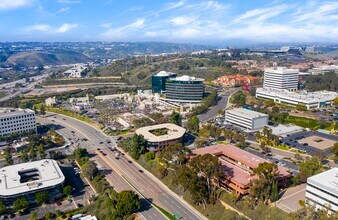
(322,190)
(27,178)
(309,99)
(281,78)
(248,119)
(16,120)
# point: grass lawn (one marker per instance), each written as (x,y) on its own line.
(303,122)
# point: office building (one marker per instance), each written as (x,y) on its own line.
(309,99)
(184,89)
(162,135)
(322,190)
(158,81)
(16,121)
(238,166)
(248,119)
(281,78)
(27,178)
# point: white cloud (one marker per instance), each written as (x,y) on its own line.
(13,4)
(65,27)
(121,32)
(182,20)
(69,1)
(107,25)
(38,27)
(63,9)
(261,14)
(52,30)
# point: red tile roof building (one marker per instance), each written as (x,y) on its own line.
(232,80)
(238,167)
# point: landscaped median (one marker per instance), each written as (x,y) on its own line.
(73,115)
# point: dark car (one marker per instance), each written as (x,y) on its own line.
(129,161)
(73,132)
(12,215)
(141,171)
(101,142)
(24,212)
(79,205)
(98,149)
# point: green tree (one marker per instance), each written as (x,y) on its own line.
(334,150)
(32,153)
(42,110)
(138,146)
(239,99)
(261,188)
(335,101)
(150,156)
(42,197)
(8,156)
(193,124)
(175,154)
(49,216)
(301,107)
(24,157)
(311,166)
(3,209)
(67,190)
(90,170)
(211,169)
(127,203)
(41,152)
(175,118)
(34,216)
(20,204)
(274,192)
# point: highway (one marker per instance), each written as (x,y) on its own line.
(144,182)
(221,104)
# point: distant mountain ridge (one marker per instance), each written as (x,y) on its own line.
(30,54)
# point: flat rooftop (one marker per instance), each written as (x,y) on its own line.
(246,113)
(186,78)
(327,180)
(281,70)
(172,132)
(26,177)
(318,96)
(8,112)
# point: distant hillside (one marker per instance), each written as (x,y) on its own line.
(37,58)
(118,50)
(324,56)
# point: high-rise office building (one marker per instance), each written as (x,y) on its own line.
(184,88)
(281,78)
(158,81)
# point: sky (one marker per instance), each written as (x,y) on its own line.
(181,21)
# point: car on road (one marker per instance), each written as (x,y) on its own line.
(53,121)
(101,142)
(141,171)
(79,205)
(263,152)
(58,203)
(99,149)
(129,161)
(64,119)
(73,132)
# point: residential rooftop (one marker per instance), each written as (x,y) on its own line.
(327,180)
(243,112)
(26,177)
(173,132)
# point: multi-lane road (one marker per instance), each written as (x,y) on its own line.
(221,104)
(141,181)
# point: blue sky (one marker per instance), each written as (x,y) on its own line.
(191,21)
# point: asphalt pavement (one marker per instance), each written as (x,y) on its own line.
(221,104)
(152,188)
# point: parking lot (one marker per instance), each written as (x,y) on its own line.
(310,142)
